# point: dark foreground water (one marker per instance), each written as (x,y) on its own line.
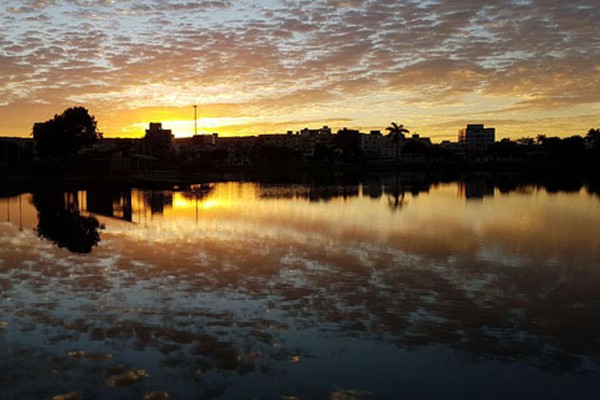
(254,291)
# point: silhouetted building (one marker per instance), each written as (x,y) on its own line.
(277,140)
(15,153)
(372,144)
(447,144)
(303,142)
(476,136)
(194,141)
(325,130)
(158,142)
(238,149)
(423,140)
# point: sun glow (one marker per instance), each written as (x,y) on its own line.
(185,127)
(212,203)
(181,202)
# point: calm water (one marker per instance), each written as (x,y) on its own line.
(254,291)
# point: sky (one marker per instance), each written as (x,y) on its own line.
(525,67)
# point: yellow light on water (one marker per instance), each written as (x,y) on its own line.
(182,202)
(211,203)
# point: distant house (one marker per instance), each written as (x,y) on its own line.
(476,136)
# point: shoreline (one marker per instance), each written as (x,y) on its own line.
(564,176)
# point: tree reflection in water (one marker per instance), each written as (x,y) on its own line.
(395,194)
(60,221)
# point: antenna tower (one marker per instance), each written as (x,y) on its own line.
(195,119)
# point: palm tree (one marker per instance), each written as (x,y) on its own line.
(397,134)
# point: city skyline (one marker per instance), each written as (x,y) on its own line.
(525,67)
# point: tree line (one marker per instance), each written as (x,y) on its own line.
(61,139)
(550,148)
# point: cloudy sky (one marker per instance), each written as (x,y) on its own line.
(523,66)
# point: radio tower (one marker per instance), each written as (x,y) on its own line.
(195,120)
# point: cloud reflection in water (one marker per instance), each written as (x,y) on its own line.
(244,282)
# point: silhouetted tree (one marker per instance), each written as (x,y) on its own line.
(551,145)
(507,149)
(62,137)
(593,135)
(526,141)
(573,147)
(396,132)
(593,138)
(395,194)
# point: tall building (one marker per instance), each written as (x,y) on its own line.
(476,136)
(158,142)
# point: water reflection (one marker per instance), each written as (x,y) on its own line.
(110,202)
(475,189)
(60,221)
(268,290)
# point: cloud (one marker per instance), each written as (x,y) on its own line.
(438,81)
(287,56)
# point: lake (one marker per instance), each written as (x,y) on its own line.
(378,289)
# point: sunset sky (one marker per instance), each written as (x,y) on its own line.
(526,67)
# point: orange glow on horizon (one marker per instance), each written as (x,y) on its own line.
(228,120)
